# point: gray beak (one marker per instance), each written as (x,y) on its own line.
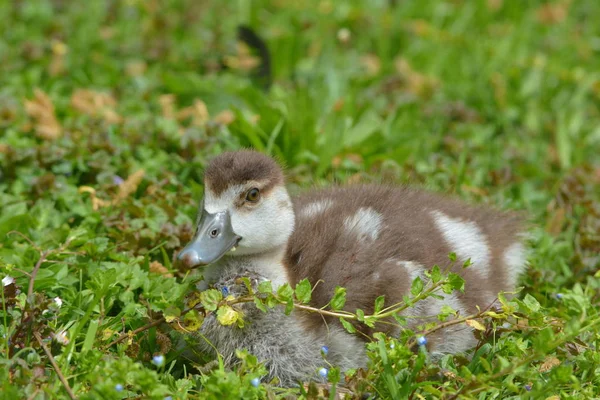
(213,239)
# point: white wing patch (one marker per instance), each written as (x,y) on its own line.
(466,240)
(514,260)
(365,224)
(316,208)
(412,268)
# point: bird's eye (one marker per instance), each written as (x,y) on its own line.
(253,195)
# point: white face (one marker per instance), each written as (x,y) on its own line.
(264,224)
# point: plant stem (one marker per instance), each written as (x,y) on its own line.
(55,366)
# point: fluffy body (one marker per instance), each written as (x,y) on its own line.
(290,352)
(371,239)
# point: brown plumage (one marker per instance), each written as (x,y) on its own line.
(320,250)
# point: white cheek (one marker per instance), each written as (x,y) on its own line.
(267,226)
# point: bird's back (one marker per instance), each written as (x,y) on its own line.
(374,240)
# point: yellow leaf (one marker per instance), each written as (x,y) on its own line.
(495,315)
(193,320)
(107,334)
(475,324)
(193,299)
(227,315)
(170,318)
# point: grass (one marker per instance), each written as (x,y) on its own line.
(494,101)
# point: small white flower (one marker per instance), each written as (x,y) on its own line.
(343,35)
(61,337)
(7,280)
(58,301)
(158,360)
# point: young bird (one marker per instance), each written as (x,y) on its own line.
(371,239)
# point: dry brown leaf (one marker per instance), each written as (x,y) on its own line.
(41,110)
(475,190)
(160,269)
(371,63)
(59,52)
(495,5)
(556,222)
(549,363)
(167,104)
(420,27)
(499,86)
(4,148)
(244,60)
(225,117)
(96,104)
(198,112)
(475,324)
(129,186)
(415,82)
(553,13)
(136,68)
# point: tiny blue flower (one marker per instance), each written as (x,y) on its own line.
(421,340)
(325,350)
(324,372)
(117,180)
(158,360)
(255,382)
(528,387)
(119,387)
(559,296)
(169,398)
(224,291)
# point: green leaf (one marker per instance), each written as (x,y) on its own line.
(192,320)
(455,282)
(289,306)
(265,287)
(531,303)
(417,286)
(171,313)
(88,343)
(303,291)
(379,302)
(339,298)
(360,314)
(260,305)
(368,124)
(285,292)
(452,256)
(210,299)
(436,274)
(348,326)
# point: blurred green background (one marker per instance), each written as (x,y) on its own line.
(110,109)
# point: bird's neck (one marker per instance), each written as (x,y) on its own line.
(269,265)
